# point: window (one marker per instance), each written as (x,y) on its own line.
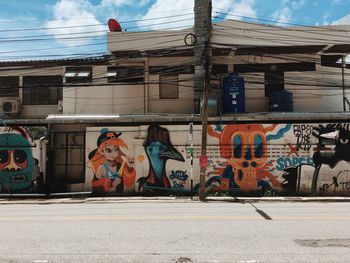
(274,81)
(168,87)
(68,158)
(42,90)
(219,69)
(78,75)
(171,70)
(9,86)
(125,74)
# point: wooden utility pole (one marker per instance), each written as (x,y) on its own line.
(202,27)
(343,65)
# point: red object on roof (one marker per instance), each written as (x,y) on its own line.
(114,26)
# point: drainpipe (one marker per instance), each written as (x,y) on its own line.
(42,156)
(146,85)
(343,65)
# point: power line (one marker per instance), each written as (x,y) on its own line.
(104,17)
(89,25)
(90,34)
(291,24)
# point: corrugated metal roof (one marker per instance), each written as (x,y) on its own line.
(55,62)
(116,119)
(173,118)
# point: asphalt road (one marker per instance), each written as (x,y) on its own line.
(181,232)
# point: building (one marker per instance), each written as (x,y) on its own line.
(142,96)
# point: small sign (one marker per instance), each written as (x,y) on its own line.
(203,161)
(191,132)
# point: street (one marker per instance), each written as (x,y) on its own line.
(176,231)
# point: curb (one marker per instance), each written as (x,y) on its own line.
(99,200)
(280,199)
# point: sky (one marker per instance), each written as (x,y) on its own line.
(50,29)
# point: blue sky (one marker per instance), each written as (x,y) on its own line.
(78,27)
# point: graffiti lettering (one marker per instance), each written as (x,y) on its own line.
(325,187)
(345,186)
(178,174)
(303,133)
(6,129)
(284,162)
(177,185)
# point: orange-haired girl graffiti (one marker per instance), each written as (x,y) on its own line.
(109,164)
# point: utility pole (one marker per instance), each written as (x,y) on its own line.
(202,28)
(343,65)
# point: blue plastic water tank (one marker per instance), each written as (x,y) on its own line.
(233,93)
(281,101)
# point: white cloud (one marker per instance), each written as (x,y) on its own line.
(243,8)
(343,21)
(19,45)
(144,2)
(181,7)
(109,3)
(161,9)
(74,18)
(283,15)
(113,2)
(337,2)
(298,4)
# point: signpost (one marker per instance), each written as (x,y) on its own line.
(191,155)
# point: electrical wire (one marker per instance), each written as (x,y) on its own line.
(88,25)
(164,42)
(274,22)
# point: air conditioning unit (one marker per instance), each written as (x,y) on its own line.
(10,106)
(60,106)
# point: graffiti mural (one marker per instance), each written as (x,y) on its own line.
(112,169)
(159,149)
(288,158)
(19,170)
(303,134)
(178,178)
(328,174)
(245,149)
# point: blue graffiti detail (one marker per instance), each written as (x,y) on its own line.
(284,162)
(218,127)
(180,175)
(177,185)
(279,134)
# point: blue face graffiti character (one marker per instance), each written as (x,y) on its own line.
(16,163)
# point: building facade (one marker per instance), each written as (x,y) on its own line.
(58,115)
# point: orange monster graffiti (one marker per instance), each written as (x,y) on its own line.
(244,146)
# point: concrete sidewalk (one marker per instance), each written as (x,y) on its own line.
(140,199)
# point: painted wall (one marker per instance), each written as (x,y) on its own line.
(286,158)
(21,159)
